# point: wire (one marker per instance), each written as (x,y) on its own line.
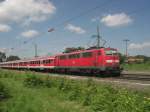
(83,14)
(73,18)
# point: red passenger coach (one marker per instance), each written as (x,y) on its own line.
(35,63)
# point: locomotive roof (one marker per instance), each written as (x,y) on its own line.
(88,50)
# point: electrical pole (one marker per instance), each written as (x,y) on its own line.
(126,43)
(98,45)
(35,48)
(98,37)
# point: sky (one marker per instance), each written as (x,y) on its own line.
(24,23)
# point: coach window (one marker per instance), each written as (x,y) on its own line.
(38,62)
(87,54)
(44,61)
(77,55)
(99,53)
(47,61)
(62,57)
(50,61)
(72,56)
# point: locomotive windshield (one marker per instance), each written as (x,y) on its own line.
(111,52)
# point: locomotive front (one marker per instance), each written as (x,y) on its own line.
(112,60)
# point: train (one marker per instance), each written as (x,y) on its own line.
(98,60)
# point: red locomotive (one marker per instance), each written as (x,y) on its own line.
(94,61)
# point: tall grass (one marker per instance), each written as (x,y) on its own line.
(36,93)
(4,92)
(99,97)
(137,67)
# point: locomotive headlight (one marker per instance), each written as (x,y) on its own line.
(117,61)
(109,61)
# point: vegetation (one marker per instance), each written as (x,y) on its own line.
(12,58)
(2,56)
(4,93)
(72,49)
(122,58)
(35,93)
(137,67)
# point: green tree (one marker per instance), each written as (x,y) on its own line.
(73,49)
(12,58)
(2,57)
(122,58)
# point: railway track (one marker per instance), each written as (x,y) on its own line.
(144,77)
(141,77)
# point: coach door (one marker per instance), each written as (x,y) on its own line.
(99,59)
(57,61)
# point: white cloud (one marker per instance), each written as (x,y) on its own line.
(4,50)
(75,29)
(95,19)
(25,11)
(138,46)
(4,28)
(30,34)
(114,20)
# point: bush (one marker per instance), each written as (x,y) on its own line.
(32,81)
(47,83)
(61,84)
(147,104)
(75,93)
(4,93)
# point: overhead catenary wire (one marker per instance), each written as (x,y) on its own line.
(83,14)
(72,18)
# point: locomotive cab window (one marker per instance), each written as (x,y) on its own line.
(62,57)
(73,56)
(87,54)
(111,52)
(99,53)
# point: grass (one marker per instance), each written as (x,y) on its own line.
(40,99)
(137,67)
(36,93)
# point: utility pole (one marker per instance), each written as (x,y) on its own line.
(98,37)
(126,43)
(35,48)
(98,45)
